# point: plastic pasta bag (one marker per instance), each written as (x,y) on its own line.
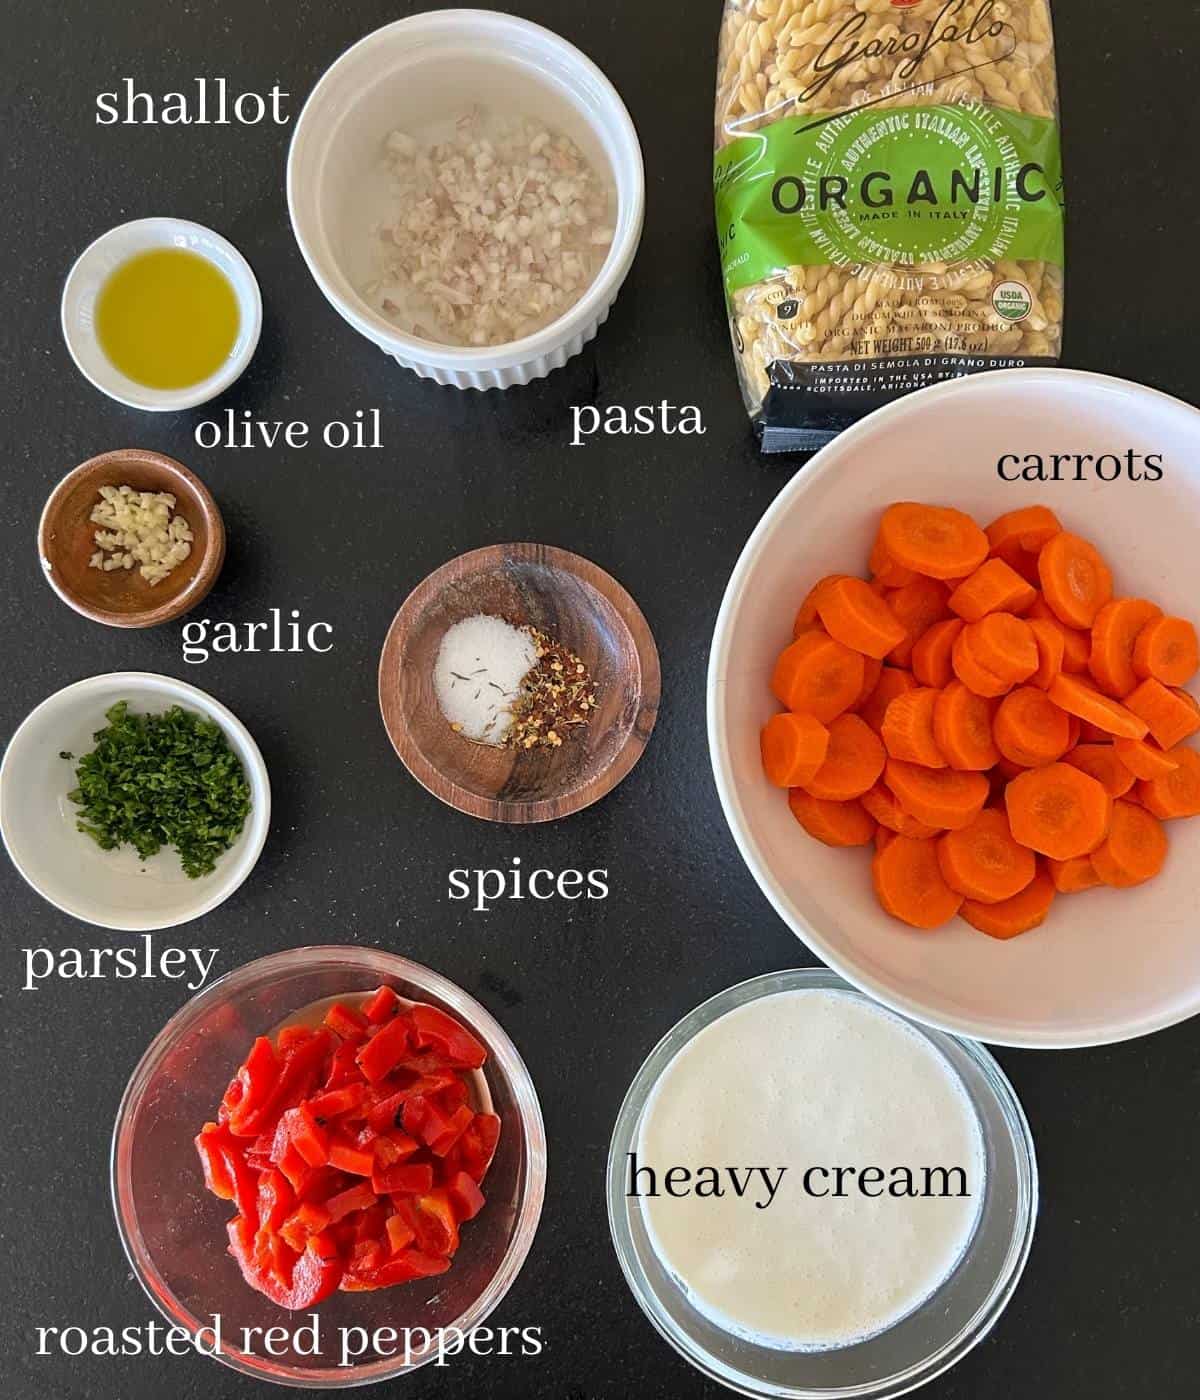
(888,189)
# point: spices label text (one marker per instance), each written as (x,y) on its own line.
(485,887)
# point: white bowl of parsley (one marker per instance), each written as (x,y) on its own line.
(133,801)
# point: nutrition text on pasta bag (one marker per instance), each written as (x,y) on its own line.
(302,1339)
(888,189)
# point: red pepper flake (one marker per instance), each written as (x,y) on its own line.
(556,697)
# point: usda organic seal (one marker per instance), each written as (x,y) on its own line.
(1012,301)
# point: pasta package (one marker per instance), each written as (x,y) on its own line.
(888,184)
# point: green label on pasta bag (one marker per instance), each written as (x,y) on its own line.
(908,185)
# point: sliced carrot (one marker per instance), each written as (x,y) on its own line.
(1134,850)
(1144,760)
(1091,733)
(1167,649)
(1074,875)
(859,618)
(882,805)
(853,763)
(1175,794)
(941,797)
(818,676)
(806,617)
(885,568)
(1078,698)
(983,862)
(833,823)
(1051,645)
(908,728)
(1076,582)
(932,656)
(916,606)
(1030,729)
(1014,916)
(1028,527)
(1114,632)
(909,884)
(1077,646)
(1003,645)
(892,682)
(793,748)
(1058,811)
(977,679)
(936,541)
(1100,761)
(872,670)
(993,587)
(962,729)
(1172,715)
(883,836)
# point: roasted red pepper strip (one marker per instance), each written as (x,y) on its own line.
(217,1176)
(315,1275)
(386,1048)
(345,1021)
(437,1229)
(465,1196)
(296,1078)
(457,1124)
(255,1083)
(336,1102)
(359,1197)
(436,1031)
(348,1158)
(382,1006)
(411,1179)
(477,1146)
(403,1268)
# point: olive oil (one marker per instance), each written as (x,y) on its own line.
(167,318)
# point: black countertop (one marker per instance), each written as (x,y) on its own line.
(1109,1306)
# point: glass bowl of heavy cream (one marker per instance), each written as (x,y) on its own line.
(813,1197)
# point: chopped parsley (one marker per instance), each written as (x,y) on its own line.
(169,779)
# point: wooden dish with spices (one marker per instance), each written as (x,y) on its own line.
(122,597)
(596,721)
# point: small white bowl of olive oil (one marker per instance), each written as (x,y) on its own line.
(161,314)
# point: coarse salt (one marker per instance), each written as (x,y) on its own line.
(478,673)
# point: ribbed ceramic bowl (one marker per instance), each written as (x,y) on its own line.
(419,70)
(173,1230)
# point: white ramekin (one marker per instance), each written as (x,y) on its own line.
(376,85)
(100,260)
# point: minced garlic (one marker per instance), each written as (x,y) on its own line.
(496,233)
(139,527)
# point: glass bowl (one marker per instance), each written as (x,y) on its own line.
(173,1230)
(924,1343)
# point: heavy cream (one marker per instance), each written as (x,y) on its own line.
(810,1169)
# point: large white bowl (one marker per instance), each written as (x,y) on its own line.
(114,889)
(427,68)
(1107,965)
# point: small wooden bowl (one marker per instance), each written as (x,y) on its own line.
(121,597)
(570,600)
